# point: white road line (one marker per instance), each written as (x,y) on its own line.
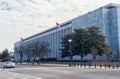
(23,78)
(17,77)
(27,75)
(22,69)
(13,75)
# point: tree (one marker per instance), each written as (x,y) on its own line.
(29,52)
(0,55)
(65,45)
(97,42)
(5,54)
(40,48)
(94,52)
(33,46)
(80,40)
(85,41)
(20,51)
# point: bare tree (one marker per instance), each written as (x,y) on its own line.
(20,50)
(39,49)
(32,47)
(42,50)
(28,52)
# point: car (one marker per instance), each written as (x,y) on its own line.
(8,64)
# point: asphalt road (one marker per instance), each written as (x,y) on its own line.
(57,72)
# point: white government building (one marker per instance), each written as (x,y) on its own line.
(107,18)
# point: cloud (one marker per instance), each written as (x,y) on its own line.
(23,18)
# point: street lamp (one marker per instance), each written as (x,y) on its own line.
(70,47)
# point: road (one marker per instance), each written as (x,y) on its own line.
(57,72)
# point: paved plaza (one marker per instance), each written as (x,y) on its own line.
(57,72)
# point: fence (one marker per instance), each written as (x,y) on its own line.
(105,65)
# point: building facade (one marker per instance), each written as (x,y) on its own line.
(107,18)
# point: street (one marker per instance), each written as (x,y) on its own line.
(57,72)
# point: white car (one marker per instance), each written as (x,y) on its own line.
(9,64)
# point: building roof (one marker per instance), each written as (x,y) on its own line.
(48,30)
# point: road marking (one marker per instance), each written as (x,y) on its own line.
(20,69)
(23,78)
(18,78)
(13,75)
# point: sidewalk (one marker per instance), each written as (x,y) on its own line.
(45,64)
(55,65)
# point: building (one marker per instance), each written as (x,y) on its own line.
(107,18)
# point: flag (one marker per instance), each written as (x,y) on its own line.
(57,25)
(21,39)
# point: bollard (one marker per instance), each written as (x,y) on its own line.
(89,65)
(75,65)
(95,65)
(78,65)
(109,66)
(105,66)
(81,64)
(113,66)
(117,66)
(100,65)
(84,65)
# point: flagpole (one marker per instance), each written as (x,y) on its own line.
(57,37)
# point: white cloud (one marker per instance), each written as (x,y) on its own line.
(23,18)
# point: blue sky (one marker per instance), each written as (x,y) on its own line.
(23,18)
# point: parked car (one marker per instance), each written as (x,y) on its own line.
(9,64)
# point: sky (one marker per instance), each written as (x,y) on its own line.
(23,18)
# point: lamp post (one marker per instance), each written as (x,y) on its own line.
(70,47)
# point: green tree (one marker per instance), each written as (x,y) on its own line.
(96,42)
(65,45)
(85,41)
(80,40)
(0,55)
(4,54)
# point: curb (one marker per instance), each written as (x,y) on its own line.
(51,65)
